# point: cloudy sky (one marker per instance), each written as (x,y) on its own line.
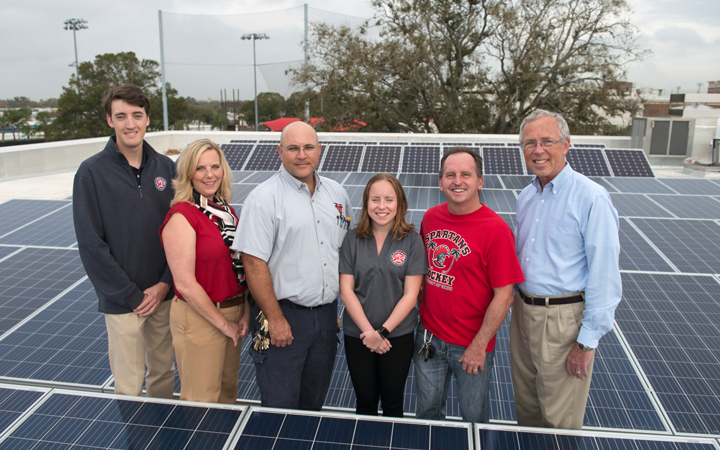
(203,52)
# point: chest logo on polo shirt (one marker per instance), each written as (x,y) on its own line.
(444,248)
(339,207)
(160,183)
(398,258)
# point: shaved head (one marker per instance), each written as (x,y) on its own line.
(294,127)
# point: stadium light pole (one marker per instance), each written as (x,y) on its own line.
(74,25)
(254,37)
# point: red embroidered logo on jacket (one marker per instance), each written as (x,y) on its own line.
(339,207)
(398,258)
(160,183)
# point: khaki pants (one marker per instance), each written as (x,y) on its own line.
(135,342)
(207,361)
(540,340)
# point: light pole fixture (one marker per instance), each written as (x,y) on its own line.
(74,25)
(254,37)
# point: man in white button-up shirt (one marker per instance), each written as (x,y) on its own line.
(290,232)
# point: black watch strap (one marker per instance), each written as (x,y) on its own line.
(383,332)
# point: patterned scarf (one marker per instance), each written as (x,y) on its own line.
(227,224)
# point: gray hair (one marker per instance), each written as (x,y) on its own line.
(538,113)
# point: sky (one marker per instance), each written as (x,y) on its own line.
(204,53)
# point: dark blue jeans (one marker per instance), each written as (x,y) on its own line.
(432,380)
(298,376)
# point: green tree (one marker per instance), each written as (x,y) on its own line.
(417,77)
(4,123)
(43,120)
(177,109)
(271,106)
(80,112)
(474,65)
(16,118)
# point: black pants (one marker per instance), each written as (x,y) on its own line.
(298,376)
(379,377)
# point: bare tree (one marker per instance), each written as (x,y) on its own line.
(563,55)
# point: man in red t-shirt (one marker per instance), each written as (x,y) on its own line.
(467,292)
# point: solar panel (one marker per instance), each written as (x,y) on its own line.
(499,200)
(510,219)
(629,163)
(421,159)
(381,159)
(691,187)
(639,185)
(415,217)
(516,182)
(64,344)
(14,401)
(31,278)
(604,183)
(492,182)
(418,179)
(264,157)
(66,419)
(239,176)
(36,233)
(236,154)
(337,176)
(448,145)
(490,144)
(241,191)
(389,143)
(7,251)
(20,213)
(588,145)
(273,429)
(504,437)
(637,254)
(242,141)
(269,142)
(423,198)
(689,207)
(589,162)
(355,193)
(342,158)
(324,143)
(358,179)
(638,205)
(693,246)
(671,324)
(258,177)
(502,161)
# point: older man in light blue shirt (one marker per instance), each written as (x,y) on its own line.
(568,248)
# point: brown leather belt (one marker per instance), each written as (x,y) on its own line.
(550,301)
(229,303)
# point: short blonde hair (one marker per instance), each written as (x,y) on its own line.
(186,166)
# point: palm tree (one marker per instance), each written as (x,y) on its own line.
(43,119)
(455,253)
(3,124)
(431,249)
(16,117)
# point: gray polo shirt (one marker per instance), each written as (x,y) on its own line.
(380,279)
(298,235)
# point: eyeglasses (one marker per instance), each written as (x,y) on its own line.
(545,143)
(295,149)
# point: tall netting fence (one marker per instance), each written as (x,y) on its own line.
(204,54)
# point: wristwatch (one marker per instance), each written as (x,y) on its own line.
(383,332)
(585,348)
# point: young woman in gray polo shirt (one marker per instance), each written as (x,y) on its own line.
(382,262)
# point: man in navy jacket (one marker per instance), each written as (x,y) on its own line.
(120,198)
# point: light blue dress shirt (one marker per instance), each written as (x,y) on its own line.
(299,235)
(567,241)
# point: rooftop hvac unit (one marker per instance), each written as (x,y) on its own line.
(663,136)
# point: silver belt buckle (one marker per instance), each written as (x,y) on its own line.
(547,302)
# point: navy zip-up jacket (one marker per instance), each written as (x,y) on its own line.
(117,224)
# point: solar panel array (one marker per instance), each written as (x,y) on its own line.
(656,372)
(500,158)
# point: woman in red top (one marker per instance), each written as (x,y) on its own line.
(208,316)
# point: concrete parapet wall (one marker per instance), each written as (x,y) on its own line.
(24,161)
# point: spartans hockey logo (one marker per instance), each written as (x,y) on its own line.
(444,248)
